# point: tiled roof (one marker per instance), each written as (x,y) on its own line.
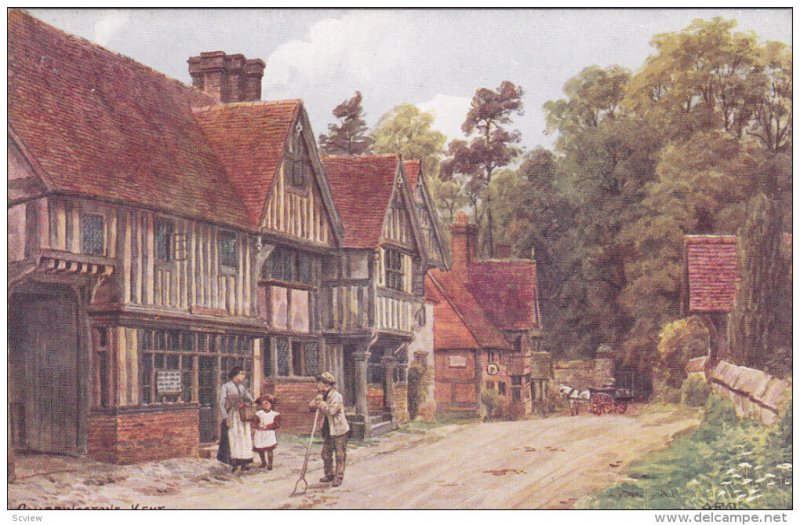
(507,291)
(713,273)
(362,189)
(102,125)
(248,139)
(459,320)
(412,169)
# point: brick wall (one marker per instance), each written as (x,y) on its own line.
(375,398)
(132,437)
(293,398)
(401,402)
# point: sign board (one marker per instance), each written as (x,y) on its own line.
(457,361)
(168,382)
(492,369)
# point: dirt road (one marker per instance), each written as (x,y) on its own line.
(546,463)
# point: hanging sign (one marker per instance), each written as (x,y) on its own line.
(492,369)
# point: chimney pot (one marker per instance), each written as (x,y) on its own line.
(227,78)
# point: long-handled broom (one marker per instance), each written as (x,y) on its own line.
(305,461)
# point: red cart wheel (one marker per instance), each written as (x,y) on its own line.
(622,406)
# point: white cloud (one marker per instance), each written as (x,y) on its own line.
(359,47)
(449,112)
(108,24)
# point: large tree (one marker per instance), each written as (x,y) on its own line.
(408,131)
(490,145)
(348,136)
(760,326)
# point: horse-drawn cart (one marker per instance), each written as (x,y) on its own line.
(609,399)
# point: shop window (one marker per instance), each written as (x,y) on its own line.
(516,388)
(168,365)
(227,249)
(92,234)
(393,262)
(266,357)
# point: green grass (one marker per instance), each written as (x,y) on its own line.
(724,463)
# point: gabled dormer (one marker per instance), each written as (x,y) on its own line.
(436,247)
(271,158)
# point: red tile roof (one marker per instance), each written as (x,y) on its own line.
(458,319)
(713,273)
(507,291)
(248,139)
(100,124)
(412,169)
(362,190)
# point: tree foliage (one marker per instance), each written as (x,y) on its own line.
(489,146)
(641,160)
(348,136)
(408,131)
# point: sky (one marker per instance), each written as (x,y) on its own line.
(435,59)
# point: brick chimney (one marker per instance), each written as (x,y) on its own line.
(227,78)
(463,242)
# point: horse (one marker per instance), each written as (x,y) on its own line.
(575,397)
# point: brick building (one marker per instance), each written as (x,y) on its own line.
(170,233)
(486,327)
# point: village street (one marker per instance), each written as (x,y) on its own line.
(537,463)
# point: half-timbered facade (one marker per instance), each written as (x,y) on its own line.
(373,299)
(158,237)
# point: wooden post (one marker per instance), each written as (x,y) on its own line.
(362,409)
(389,363)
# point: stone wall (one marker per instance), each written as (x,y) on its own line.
(755,394)
(144,435)
(583,373)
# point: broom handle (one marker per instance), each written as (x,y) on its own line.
(310,441)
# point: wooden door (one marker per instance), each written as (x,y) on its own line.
(44,340)
(349,379)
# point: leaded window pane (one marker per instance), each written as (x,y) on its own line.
(311,354)
(164,233)
(283,356)
(267,358)
(92,234)
(227,249)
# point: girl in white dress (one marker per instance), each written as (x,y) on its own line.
(265,423)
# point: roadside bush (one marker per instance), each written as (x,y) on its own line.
(720,415)
(516,411)
(695,391)
(491,402)
(678,342)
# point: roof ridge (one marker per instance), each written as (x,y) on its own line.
(227,105)
(370,156)
(97,47)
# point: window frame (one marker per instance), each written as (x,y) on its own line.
(224,261)
(393,273)
(297,354)
(168,248)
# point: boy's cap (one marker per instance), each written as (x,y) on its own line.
(327,378)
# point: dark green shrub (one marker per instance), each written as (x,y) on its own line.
(720,415)
(695,391)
